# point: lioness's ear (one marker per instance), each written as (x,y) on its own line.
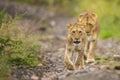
(83,28)
(79,18)
(94,15)
(69,25)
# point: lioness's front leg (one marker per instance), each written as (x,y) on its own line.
(92,46)
(67,60)
(80,60)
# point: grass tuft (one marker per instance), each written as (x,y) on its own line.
(17,47)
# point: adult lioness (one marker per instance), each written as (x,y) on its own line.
(75,47)
(91,26)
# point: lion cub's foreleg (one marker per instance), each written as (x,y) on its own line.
(80,60)
(67,60)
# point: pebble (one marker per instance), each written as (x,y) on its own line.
(40,64)
(117,67)
(116,57)
(45,78)
(53,23)
(104,67)
(34,77)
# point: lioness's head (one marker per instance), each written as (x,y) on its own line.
(76,33)
(88,19)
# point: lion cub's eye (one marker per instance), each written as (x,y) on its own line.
(73,31)
(88,33)
(80,31)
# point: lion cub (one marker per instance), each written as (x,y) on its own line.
(90,24)
(75,47)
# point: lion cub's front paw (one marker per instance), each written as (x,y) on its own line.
(90,61)
(80,67)
(70,67)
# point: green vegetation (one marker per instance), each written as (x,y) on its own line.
(108,14)
(101,59)
(107,11)
(15,45)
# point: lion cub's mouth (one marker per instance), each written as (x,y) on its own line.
(76,42)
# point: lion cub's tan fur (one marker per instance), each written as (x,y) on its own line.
(91,27)
(74,54)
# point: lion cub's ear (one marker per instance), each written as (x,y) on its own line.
(69,25)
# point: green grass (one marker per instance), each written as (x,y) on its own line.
(108,15)
(17,45)
(110,27)
(107,61)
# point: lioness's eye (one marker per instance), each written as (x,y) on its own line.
(73,31)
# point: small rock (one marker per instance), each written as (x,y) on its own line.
(26,77)
(80,71)
(116,57)
(96,75)
(45,79)
(92,69)
(117,67)
(61,77)
(103,67)
(61,49)
(53,23)
(40,64)
(34,77)
(54,77)
(69,73)
(43,29)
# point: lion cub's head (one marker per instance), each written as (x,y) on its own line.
(76,33)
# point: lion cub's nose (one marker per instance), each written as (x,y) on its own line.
(76,38)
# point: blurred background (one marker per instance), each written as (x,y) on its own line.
(29,28)
(107,11)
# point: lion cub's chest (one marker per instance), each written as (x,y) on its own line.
(75,51)
(77,47)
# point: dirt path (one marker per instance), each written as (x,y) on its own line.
(53,47)
(56,49)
